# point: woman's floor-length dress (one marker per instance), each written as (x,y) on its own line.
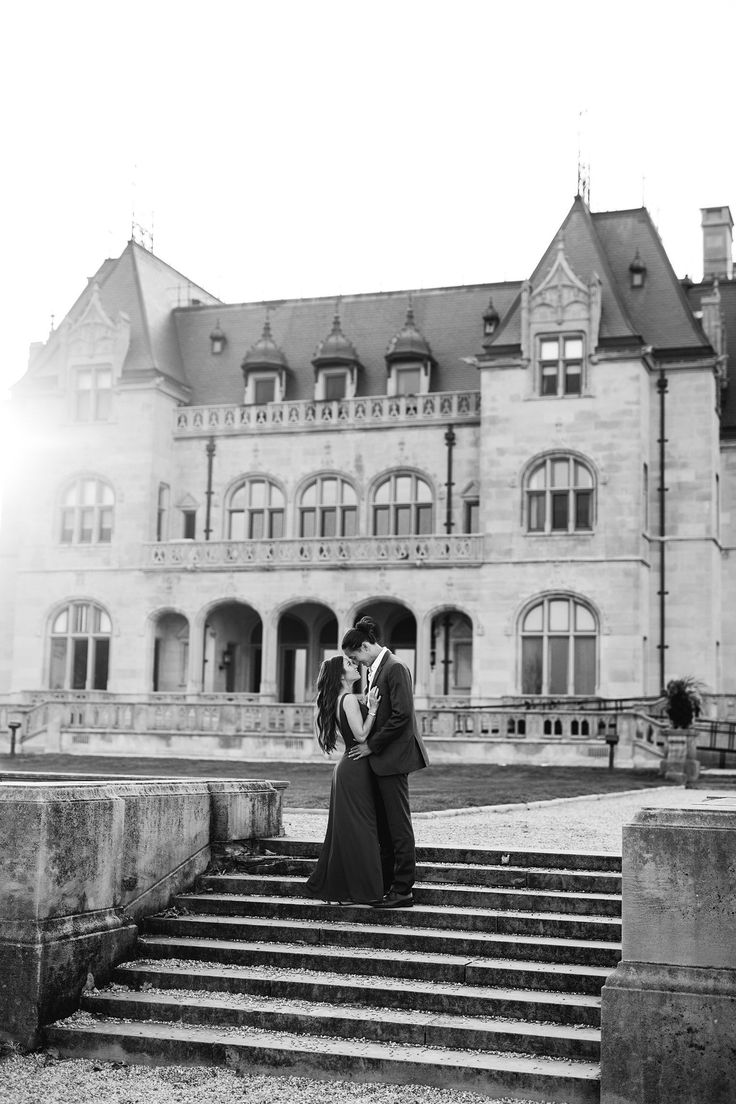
(349,864)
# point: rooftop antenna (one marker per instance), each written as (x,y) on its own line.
(583,167)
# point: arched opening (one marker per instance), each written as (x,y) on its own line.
(397,628)
(233,634)
(170,653)
(451,655)
(307,635)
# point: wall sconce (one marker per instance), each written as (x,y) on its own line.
(218,341)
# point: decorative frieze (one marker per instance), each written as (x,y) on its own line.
(371,411)
(452,551)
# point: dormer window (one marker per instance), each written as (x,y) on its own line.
(491,319)
(336,365)
(408,379)
(217,340)
(334,384)
(264,370)
(561,364)
(262,388)
(637,271)
(409,360)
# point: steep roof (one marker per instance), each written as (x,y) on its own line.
(659,310)
(146,289)
(451,320)
(604,245)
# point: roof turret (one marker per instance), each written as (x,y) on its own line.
(409,343)
(265,353)
(336,348)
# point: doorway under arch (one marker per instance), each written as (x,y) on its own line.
(307,635)
(233,635)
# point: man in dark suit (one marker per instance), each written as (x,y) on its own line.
(395,749)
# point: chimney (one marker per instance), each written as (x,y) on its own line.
(717,226)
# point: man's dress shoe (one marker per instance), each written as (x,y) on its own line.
(396,900)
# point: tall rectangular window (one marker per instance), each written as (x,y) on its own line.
(93,394)
(189,520)
(162,512)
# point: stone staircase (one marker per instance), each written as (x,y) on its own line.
(491,983)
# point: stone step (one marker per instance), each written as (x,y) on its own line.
(441,963)
(417,929)
(520,990)
(300,1017)
(462,874)
(252,1051)
(427,893)
(472,856)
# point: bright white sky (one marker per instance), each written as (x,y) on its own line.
(318,147)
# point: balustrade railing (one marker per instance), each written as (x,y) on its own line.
(242,715)
(370,411)
(450,550)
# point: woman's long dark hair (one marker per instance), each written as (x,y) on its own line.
(329,685)
(366,630)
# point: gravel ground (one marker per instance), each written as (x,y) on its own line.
(573,824)
(565,824)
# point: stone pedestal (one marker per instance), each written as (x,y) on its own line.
(669,1009)
(82,862)
(680,763)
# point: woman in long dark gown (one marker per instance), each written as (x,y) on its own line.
(349,866)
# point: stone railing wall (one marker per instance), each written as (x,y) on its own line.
(453,551)
(369,412)
(82,862)
(97,722)
(668,1015)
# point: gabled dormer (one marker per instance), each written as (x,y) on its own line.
(93,349)
(560,324)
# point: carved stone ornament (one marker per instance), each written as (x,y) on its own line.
(561,300)
(95,337)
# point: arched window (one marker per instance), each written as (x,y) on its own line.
(328,507)
(558,648)
(560,496)
(87,513)
(256,511)
(402,506)
(80,648)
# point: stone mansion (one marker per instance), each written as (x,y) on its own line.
(530,485)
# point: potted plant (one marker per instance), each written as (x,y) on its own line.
(683,701)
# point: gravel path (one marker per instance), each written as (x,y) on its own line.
(565,824)
(570,824)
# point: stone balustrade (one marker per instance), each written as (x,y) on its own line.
(445,551)
(82,862)
(245,727)
(371,411)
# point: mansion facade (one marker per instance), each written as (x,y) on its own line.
(531,486)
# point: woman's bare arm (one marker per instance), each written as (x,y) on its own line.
(361,728)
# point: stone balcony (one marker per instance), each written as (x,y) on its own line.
(367,412)
(436,551)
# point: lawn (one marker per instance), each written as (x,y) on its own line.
(442,787)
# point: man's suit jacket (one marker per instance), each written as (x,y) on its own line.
(395,743)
